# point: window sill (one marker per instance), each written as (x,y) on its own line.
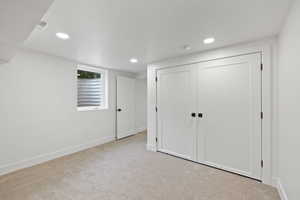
(81,109)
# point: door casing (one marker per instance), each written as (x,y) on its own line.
(266,48)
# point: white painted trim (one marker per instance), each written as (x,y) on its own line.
(91,108)
(264,47)
(175,154)
(141,129)
(275,182)
(50,156)
(151,148)
(127,134)
(281,190)
(91,69)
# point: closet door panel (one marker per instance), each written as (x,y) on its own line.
(176,104)
(229,99)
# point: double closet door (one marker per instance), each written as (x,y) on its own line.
(210,112)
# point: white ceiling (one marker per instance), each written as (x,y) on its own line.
(108,33)
(17,20)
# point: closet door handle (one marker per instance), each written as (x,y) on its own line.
(193,114)
(119,109)
(200,115)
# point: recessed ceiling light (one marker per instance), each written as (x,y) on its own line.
(187,47)
(209,40)
(134,60)
(62,36)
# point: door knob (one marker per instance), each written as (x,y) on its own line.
(119,109)
(193,114)
(200,115)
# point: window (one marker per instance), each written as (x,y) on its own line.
(91,88)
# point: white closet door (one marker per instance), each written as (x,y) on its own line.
(125,107)
(176,103)
(229,97)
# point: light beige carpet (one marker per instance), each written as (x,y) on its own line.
(125,170)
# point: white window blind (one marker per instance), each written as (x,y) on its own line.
(91,90)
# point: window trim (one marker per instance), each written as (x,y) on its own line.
(104,73)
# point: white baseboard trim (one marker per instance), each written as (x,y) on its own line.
(281,190)
(141,129)
(274,182)
(50,156)
(151,147)
(126,134)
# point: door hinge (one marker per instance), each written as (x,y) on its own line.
(156,139)
(261,115)
(156,79)
(156,109)
(262,163)
(261,66)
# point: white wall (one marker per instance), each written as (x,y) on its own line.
(38,114)
(288,104)
(141,104)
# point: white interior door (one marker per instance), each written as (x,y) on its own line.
(176,102)
(125,107)
(229,98)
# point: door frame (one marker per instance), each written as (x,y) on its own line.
(265,48)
